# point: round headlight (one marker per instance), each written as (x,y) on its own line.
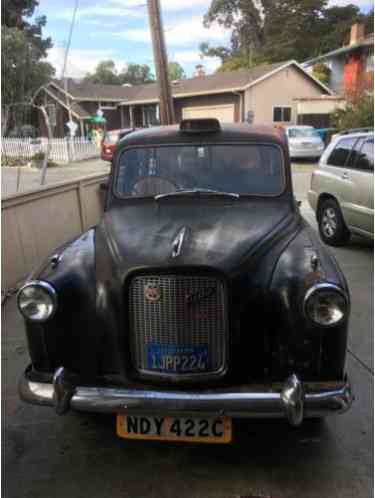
(37,301)
(326,305)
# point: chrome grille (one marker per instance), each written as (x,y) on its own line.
(174,321)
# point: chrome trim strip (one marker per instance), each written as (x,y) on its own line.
(178,242)
(291,401)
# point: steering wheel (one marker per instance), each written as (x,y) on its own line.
(152,185)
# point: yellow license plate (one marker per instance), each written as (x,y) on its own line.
(186,429)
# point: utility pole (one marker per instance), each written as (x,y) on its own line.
(65,79)
(161,63)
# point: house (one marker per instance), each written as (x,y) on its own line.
(351,66)
(265,94)
(81,103)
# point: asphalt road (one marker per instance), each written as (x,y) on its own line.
(79,455)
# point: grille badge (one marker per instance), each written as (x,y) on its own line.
(195,297)
(178,242)
(152,293)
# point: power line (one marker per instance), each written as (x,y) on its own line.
(69,38)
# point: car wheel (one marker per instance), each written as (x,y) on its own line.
(332,228)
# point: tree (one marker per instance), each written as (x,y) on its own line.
(14,12)
(136,74)
(175,71)
(322,73)
(105,73)
(336,25)
(277,30)
(23,49)
(359,113)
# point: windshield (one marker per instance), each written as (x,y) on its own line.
(303,133)
(240,169)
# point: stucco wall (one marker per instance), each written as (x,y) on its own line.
(279,90)
(35,223)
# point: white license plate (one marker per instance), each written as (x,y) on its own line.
(189,429)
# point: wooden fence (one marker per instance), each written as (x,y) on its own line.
(36,222)
(62,150)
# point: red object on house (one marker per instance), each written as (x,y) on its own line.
(353,74)
(356,78)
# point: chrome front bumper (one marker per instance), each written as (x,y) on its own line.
(292,400)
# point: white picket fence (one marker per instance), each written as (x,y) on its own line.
(62,150)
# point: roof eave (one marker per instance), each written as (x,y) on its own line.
(285,66)
(339,51)
(184,95)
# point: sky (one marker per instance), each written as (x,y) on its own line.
(119,30)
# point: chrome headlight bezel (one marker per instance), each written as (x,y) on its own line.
(46,288)
(324,287)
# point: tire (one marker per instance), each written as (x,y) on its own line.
(332,228)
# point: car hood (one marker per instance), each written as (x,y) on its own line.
(217,234)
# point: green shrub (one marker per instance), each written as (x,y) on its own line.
(359,113)
(13,161)
(322,73)
(38,156)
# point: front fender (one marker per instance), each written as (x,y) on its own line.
(301,346)
(69,338)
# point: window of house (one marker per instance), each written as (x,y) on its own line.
(340,154)
(282,114)
(108,105)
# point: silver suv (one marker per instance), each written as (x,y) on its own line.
(342,190)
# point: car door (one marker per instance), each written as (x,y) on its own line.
(361,175)
(337,181)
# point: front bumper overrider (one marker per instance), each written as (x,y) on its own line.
(292,399)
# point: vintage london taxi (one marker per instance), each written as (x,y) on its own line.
(202,296)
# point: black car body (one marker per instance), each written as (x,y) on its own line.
(214,297)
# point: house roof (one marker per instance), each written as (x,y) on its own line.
(213,83)
(367,41)
(85,90)
(202,85)
(74,106)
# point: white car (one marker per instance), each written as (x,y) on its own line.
(304,142)
(342,189)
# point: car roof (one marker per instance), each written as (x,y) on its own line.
(168,135)
(358,134)
(119,130)
(300,127)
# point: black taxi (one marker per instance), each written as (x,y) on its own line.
(201,297)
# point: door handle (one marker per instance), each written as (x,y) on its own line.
(345,176)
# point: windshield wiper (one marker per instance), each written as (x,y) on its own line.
(197,191)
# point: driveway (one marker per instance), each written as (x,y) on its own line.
(79,455)
(30,178)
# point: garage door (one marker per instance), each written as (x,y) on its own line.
(224,113)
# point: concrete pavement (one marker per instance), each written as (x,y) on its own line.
(79,455)
(30,177)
